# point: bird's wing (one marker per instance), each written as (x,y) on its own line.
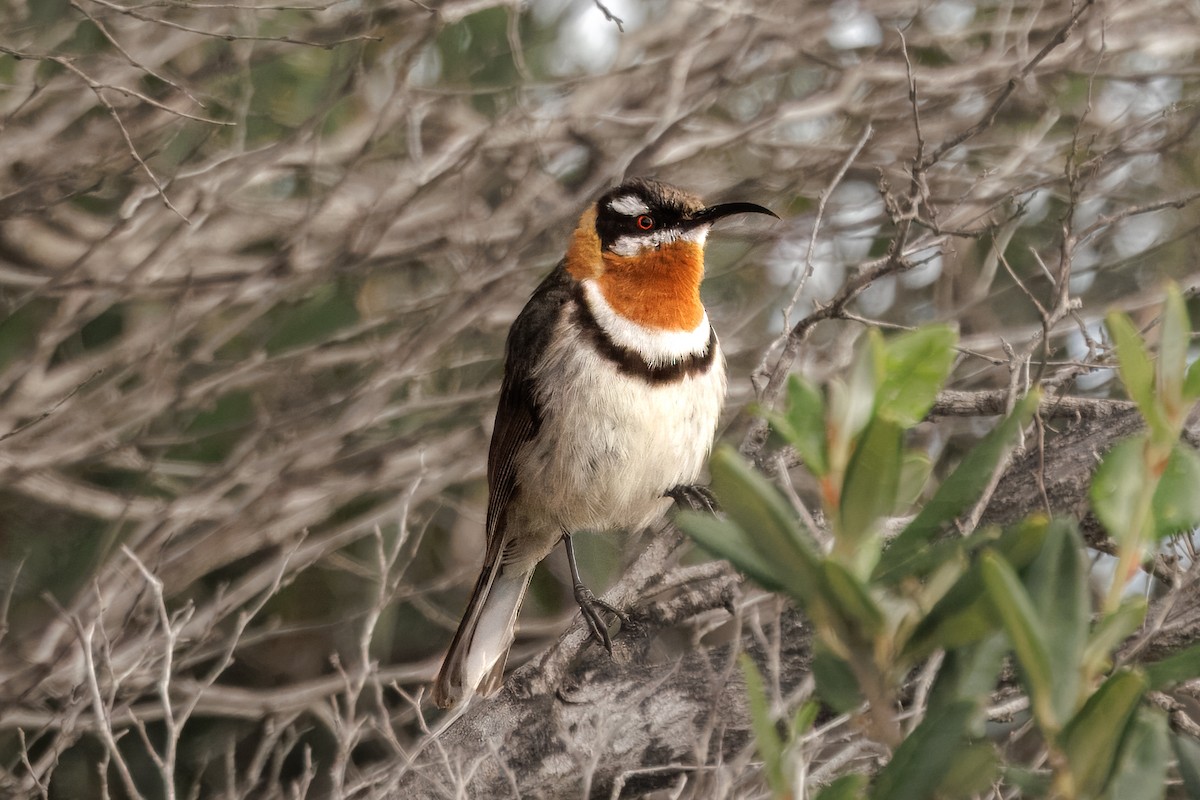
(519,417)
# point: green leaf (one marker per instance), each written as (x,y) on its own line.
(914,474)
(1136,369)
(854,603)
(805,716)
(1187,756)
(725,539)
(771,526)
(923,563)
(969,673)
(766,736)
(1176,500)
(803,424)
(923,758)
(1022,543)
(869,490)
(1173,343)
(964,615)
(916,365)
(961,489)
(1141,769)
(847,787)
(1110,631)
(971,773)
(961,618)
(836,684)
(1057,585)
(1031,783)
(1175,668)
(1191,385)
(1117,487)
(851,404)
(1023,625)
(1093,737)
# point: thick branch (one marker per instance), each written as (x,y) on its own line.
(639,719)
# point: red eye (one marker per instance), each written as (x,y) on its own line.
(645,222)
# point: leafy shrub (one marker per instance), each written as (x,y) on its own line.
(880,609)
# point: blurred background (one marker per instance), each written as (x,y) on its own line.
(257,261)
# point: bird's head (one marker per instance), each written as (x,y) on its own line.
(643,244)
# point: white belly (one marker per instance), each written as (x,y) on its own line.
(611,444)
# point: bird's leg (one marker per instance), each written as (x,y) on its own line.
(693,496)
(590,605)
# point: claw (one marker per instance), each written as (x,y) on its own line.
(591,606)
(698,498)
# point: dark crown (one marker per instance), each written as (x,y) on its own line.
(640,206)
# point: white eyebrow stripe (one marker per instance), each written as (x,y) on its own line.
(628,204)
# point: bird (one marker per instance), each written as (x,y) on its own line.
(613,384)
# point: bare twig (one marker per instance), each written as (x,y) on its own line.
(30,423)
(229,37)
(989,117)
(608,15)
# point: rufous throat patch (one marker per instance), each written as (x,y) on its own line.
(657,288)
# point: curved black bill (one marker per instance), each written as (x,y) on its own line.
(711,214)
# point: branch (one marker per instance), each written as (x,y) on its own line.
(989,116)
(634,722)
(954,403)
(628,724)
(754,440)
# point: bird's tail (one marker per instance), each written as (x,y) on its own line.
(475,661)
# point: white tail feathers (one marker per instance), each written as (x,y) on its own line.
(475,662)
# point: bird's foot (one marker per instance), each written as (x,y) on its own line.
(593,609)
(694,496)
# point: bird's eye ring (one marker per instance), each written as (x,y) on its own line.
(645,222)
